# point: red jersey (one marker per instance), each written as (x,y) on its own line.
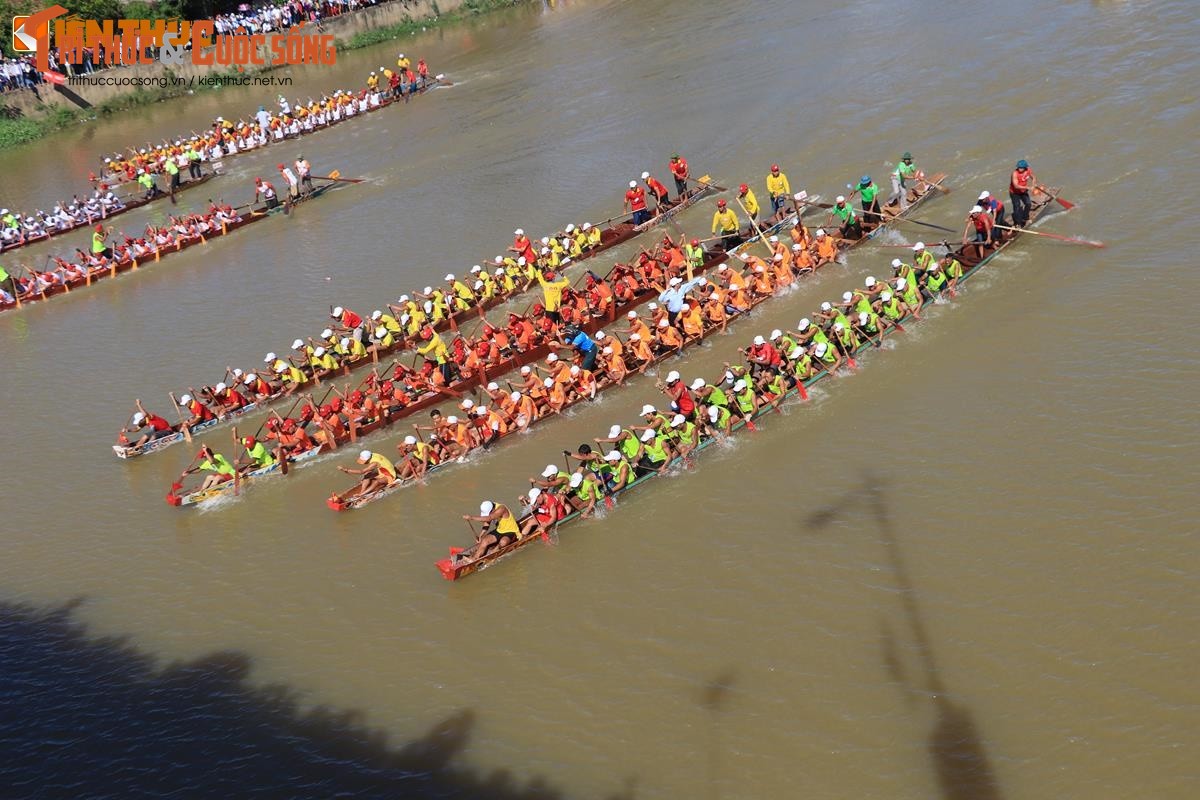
(198,409)
(636,197)
(1021,181)
(157,422)
(657,188)
(523,246)
(679,168)
(422,69)
(768,353)
(350,319)
(683,399)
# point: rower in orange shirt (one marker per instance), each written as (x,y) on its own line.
(782,273)
(556,395)
(613,364)
(667,337)
(827,249)
(692,321)
(637,325)
(657,191)
(604,340)
(639,355)
(802,260)
(762,284)
(679,171)
(522,246)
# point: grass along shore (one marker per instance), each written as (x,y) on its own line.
(19,131)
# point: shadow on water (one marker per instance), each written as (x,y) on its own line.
(715,698)
(95,717)
(955,744)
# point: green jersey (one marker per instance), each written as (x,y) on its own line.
(218,464)
(261,455)
(844,213)
(868,193)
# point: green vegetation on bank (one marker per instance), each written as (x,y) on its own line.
(470,8)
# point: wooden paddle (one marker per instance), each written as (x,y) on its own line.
(1059,237)
(337,176)
(1066,204)
(707,182)
(187,433)
(899,218)
(237,473)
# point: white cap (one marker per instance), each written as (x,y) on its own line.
(672,376)
(468,403)
(185,399)
(614,431)
(796,352)
(534,493)
(918,247)
(804,323)
(645,175)
(713,412)
(984,195)
(376,314)
(519,232)
(249,378)
(648,409)
(452,419)
(723,268)
(548,382)
(599,336)
(521,261)
(296,345)
(475,270)
(281,367)
(758,340)
(862,318)
(837,326)
(674,282)
(570,228)
(345,342)
(796,248)
(404,298)
(652,306)
(607,351)
(933,266)
(550,359)
(820,231)
(576,479)
(698,384)
(499,272)
(841,198)
(574,370)
(662,323)
(428,290)
(337,311)
(900,282)
(545,240)
(220,387)
(870,281)
(320,351)
(524,370)
(886,297)
(648,434)
(138,417)
(514,396)
(775,334)
(977,210)
(631,315)
(744,256)
(587,226)
(486,507)
(826,306)
(897,262)
(550,471)
(545,250)
(365,455)
(449,276)
(635,337)
(728,376)
(478,285)
(613,455)
(325,334)
(821,348)
(739,385)
(773,239)
(847,296)
(493,386)
(632,184)
(778,257)
(677,420)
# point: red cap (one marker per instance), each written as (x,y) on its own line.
(248,441)
(99,228)
(258,180)
(550,275)
(279,166)
(695,242)
(721,204)
(743,188)
(774,168)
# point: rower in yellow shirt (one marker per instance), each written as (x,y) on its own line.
(593,235)
(403,62)
(463,297)
(552,292)
(435,350)
(778,189)
(725,225)
(748,200)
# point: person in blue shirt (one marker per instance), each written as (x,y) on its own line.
(674,295)
(583,344)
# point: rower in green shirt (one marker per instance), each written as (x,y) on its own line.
(953,271)
(869,193)
(848,222)
(260,456)
(214,463)
(904,171)
(146,181)
(934,281)
(8,283)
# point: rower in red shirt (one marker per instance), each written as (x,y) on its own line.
(1023,183)
(657,190)
(681,398)
(150,426)
(346,318)
(635,201)
(522,246)
(679,171)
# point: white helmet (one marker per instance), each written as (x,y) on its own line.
(365,455)
(337,311)
(410,440)
(550,471)
(220,387)
(185,399)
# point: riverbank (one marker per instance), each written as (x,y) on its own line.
(33,115)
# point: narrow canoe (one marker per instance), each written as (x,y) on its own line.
(971,264)
(254,215)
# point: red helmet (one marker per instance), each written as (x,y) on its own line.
(336,404)
(550,275)
(721,204)
(538,308)
(387,387)
(99,229)
(743,188)
(427,332)
(248,441)
(325,410)
(272,424)
(774,168)
(695,242)
(279,166)
(356,396)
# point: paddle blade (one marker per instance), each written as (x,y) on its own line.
(750,425)
(802,389)
(335,174)
(1067,204)
(853,364)
(608,502)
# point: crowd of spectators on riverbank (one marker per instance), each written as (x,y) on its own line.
(17,74)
